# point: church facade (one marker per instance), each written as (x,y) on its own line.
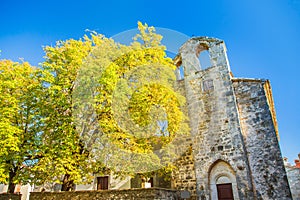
(233,147)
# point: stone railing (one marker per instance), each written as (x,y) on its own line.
(129,194)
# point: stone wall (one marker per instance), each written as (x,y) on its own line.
(218,149)
(216,133)
(263,152)
(20,190)
(10,196)
(293,175)
(130,194)
(184,177)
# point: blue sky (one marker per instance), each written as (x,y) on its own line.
(262,37)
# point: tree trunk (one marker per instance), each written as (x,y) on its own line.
(11,184)
(67,185)
(11,188)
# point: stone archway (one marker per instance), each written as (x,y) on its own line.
(222,174)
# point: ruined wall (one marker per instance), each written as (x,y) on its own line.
(261,143)
(130,194)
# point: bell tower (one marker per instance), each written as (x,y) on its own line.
(223,153)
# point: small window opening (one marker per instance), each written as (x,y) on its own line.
(204,60)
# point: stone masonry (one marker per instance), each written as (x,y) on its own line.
(293,174)
(184,177)
(130,194)
(233,128)
(259,134)
(10,196)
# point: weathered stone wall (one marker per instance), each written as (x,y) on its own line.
(216,131)
(267,168)
(184,177)
(293,175)
(218,149)
(10,196)
(130,194)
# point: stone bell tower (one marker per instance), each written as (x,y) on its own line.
(233,128)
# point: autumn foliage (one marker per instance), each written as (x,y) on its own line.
(93,105)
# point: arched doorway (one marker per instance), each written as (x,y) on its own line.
(222,180)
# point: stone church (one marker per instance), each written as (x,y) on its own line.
(234,151)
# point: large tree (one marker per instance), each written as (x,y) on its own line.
(108,107)
(64,156)
(20,93)
(137,105)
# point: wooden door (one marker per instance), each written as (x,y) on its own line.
(225,191)
(102,183)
